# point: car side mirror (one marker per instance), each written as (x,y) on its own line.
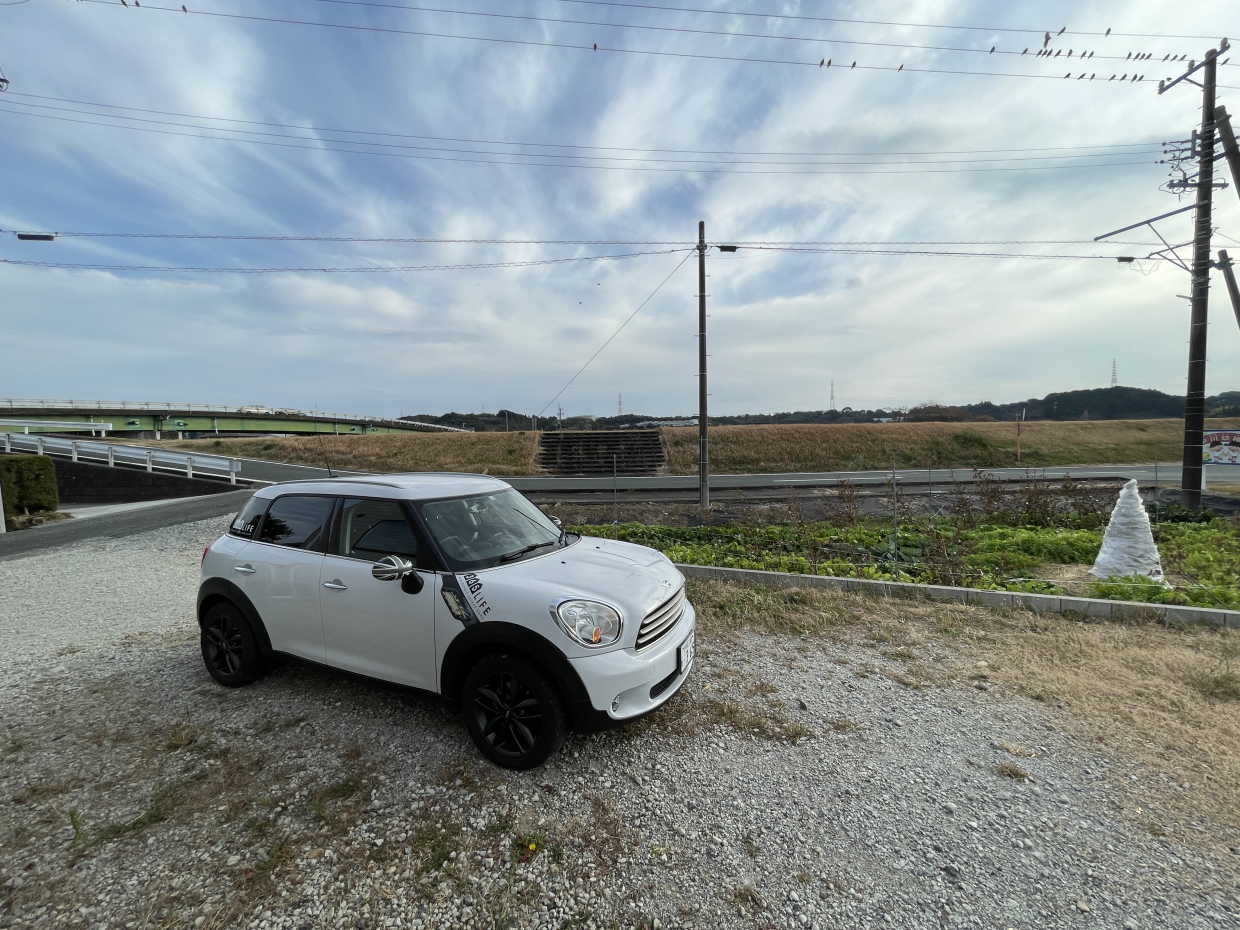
(391,568)
(412,583)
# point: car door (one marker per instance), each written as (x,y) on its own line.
(279,572)
(372,627)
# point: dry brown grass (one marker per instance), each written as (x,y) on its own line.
(483,453)
(750,449)
(1166,699)
(852,447)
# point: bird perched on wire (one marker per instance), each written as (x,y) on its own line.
(183,10)
(1046,40)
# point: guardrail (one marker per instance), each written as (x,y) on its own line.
(59,426)
(85,450)
(11,404)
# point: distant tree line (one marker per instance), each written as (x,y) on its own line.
(1115,403)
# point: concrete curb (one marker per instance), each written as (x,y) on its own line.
(1005,600)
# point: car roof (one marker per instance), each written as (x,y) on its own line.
(405,486)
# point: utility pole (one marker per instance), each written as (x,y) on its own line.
(703,438)
(1114,379)
(1225,264)
(1195,401)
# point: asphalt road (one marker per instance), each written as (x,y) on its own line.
(173,513)
(1165,475)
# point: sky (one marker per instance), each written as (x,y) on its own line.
(412,119)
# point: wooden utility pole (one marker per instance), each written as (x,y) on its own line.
(703,438)
(1195,401)
(1225,264)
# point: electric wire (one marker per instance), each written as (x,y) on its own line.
(617,332)
(563,145)
(881,22)
(387,269)
(376,269)
(507,160)
(702,32)
(587,158)
(685,243)
(595,47)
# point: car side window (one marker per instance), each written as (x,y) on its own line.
(247,520)
(371,529)
(298,521)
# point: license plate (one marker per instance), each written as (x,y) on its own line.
(684,655)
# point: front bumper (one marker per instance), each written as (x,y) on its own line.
(620,683)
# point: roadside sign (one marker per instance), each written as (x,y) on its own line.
(1220,447)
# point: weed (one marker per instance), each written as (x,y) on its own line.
(746,895)
(277,854)
(181,735)
(161,805)
(80,837)
(804,878)
(751,847)
(527,846)
(843,725)
(1011,770)
(341,790)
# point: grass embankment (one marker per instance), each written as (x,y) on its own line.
(1202,561)
(865,446)
(502,454)
(1165,698)
(754,449)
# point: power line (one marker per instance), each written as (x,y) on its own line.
(586,158)
(507,159)
(564,145)
(550,261)
(595,47)
(689,31)
(616,333)
(671,242)
(852,251)
(363,270)
(880,22)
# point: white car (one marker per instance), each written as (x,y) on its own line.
(456,585)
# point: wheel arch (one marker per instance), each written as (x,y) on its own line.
(480,640)
(220,590)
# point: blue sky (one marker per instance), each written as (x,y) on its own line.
(888,330)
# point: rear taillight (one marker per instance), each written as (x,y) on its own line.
(204,556)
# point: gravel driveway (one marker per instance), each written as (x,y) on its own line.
(794,783)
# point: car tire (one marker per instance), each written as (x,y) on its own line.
(512,712)
(229,647)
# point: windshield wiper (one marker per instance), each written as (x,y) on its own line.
(520,552)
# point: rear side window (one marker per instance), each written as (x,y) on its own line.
(246,521)
(297,521)
(371,529)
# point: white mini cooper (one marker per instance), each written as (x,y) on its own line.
(456,585)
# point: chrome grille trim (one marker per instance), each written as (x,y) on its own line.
(661,620)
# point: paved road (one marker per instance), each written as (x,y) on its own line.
(187,510)
(1166,475)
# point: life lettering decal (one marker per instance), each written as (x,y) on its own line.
(475,594)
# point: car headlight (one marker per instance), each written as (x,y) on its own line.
(591,623)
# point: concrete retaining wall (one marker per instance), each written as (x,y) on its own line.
(84,483)
(1009,600)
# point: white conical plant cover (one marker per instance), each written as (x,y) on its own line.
(1128,545)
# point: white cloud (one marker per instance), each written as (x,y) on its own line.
(887,330)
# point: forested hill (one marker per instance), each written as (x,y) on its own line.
(1115,403)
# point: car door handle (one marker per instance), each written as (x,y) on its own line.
(248,569)
(335,585)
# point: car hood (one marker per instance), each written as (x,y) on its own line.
(634,578)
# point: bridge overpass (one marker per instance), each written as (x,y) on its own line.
(140,420)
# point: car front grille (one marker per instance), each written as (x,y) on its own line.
(660,621)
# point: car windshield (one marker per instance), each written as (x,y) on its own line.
(487,529)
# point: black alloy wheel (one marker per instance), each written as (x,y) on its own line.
(229,648)
(512,712)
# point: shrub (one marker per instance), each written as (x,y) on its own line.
(28,483)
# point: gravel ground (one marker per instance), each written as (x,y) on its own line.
(791,784)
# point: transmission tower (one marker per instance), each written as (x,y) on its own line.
(1114,380)
(832,407)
